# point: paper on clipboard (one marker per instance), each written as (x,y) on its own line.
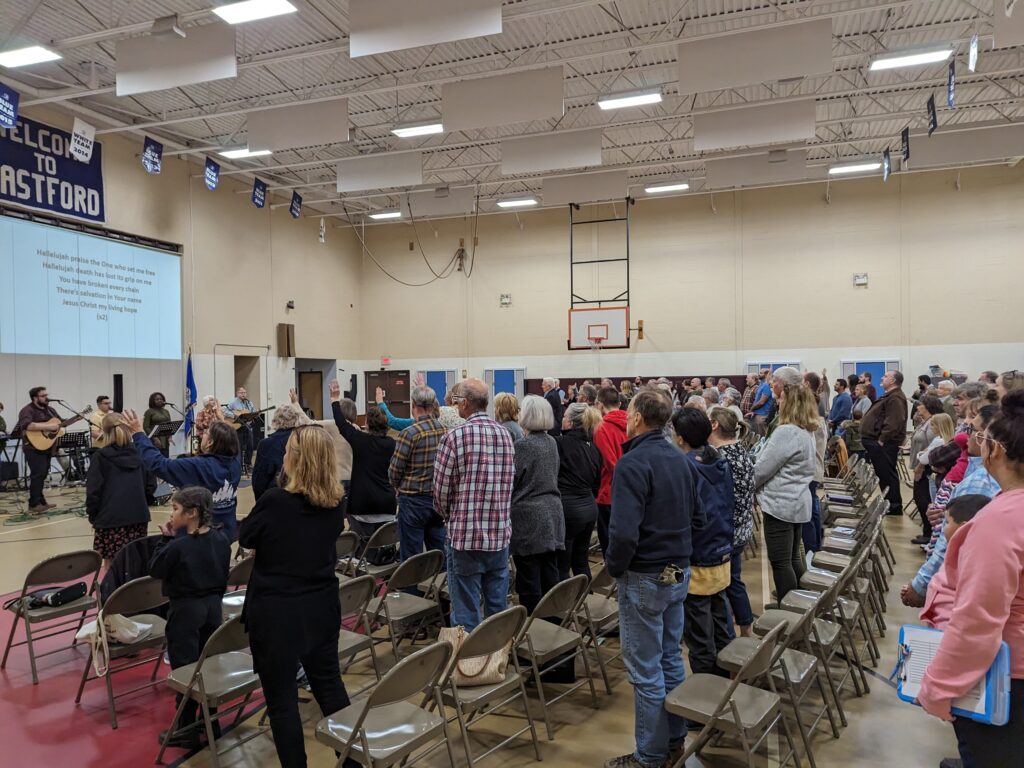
(924,644)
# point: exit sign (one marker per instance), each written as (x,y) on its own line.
(385,361)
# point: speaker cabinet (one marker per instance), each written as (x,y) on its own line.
(285,340)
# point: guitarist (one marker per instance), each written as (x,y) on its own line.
(242,404)
(37,416)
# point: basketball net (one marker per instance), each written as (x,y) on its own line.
(595,344)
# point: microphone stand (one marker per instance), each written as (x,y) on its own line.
(75,455)
(172,405)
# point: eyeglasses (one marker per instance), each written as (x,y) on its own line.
(983,437)
(458,398)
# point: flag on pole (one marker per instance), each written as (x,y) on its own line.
(191,394)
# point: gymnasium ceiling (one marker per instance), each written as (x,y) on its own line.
(605,46)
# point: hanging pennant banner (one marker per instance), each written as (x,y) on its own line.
(8,106)
(886,165)
(152,155)
(83,137)
(323,230)
(37,171)
(933,118)
(972,57)
(295,209)
(211,174)
(905,144)
(951,85)
(259,193)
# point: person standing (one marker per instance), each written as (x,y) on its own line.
(865,379)
(154,416)
(579,482)
(103,407)
(549,387)
(761,408)
(209,413)
(927,407)
(270,457)
(506,413)
(115,491)
(842,407)
(883,430)
(411,473)
(473,476)
(608,439)
(246,430)
(37,417)
(291,607)
(654,503)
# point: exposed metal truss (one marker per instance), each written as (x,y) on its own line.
(603,45)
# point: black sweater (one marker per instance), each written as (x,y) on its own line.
(370,491)
(115,488)
(192,566)
(579,474)
(556,408)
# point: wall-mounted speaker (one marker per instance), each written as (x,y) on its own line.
(285,340)
(119,392)
(353,388)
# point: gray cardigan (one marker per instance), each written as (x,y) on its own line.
(538,524)
(783,474)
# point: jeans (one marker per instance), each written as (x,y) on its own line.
(782,540)
(39,468)
(535,575)
(472,575)
(736,593)
(990,746)
(883,459)
(418,523)
(651,628)
(811,532)
(575,557)
(706,632)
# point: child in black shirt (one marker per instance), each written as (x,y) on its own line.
(194,570)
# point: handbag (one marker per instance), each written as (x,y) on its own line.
(489,669)
(115,629)
(49,597)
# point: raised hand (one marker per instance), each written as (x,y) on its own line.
(378,395)
(132,420)
(293,396)
(335,391)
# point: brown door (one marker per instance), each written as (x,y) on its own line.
(311,392)
(396,391)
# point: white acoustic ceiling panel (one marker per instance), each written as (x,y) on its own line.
(585,188)
(356,174)
(754,126)
(451,202)
(996,142)
(380,26)
(502,99)
(748,58)
(775,168)
(155,63)
(1007,31)
(298,125)
(579,149)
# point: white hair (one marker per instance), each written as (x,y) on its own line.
(550,382)
(207,399)
(946,385)
(535,414)
(788,375)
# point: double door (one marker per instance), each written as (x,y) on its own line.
(396,391)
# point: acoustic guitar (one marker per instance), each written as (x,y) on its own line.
(43,441)
(237,423)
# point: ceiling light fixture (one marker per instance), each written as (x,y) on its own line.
(23,57)
(517,202)
(253,10)
(632,99)
(386,215)
(417,129)
(242,152)
(673,186)
(842,170)
(911,58)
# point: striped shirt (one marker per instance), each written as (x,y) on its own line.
(412,464)
(473,484)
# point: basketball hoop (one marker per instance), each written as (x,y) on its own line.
(595,343)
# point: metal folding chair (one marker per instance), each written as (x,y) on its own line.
(238,580)
(354,596)
(398,609)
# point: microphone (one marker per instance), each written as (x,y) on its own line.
(170,404)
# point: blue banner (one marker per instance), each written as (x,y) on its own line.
(8,106)
(37,171)
(905,144)
(886,165)
(211,175)
(259,193)
(933,118)
(951,85)
(152,155)
(295,209)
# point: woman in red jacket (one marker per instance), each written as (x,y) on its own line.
(608,438)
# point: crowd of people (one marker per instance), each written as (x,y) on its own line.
(668,476)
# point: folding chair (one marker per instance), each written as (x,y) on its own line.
(734,707)
(223,673)
(396,608)
(385,536)
(473,703)
(599,617)
(135,600)
(54,570)
(384,729)
(345,547)
(547,644)
(354,596)
(238,580)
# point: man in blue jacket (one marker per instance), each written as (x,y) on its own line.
(842,407)
(654,500)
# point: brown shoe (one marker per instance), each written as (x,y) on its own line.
(50,506)
(38,509)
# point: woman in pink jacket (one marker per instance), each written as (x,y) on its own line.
(985,567)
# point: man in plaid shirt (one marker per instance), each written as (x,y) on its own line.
(412,474)
(473,491)
(748,393)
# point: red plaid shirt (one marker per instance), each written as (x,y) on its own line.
(473,477)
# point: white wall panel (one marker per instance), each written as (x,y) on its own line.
(579,149)
(502,99)
(155,63)
(357,174)
(379,26)
(754,126)
(301,125)
(459,200)
(993,143)
(585,188)
(757,169)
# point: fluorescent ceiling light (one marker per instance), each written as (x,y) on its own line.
(22,57)
(673,186)
(839,170)
(237,154)
(253,10)
(634,99)
(386,215)
(518,202)
(417,129)
(911,58)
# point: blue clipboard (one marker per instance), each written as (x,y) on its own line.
(917,646)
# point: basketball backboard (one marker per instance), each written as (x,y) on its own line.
(599,328)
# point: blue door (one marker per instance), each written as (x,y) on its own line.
(438,381)
(505,381)
(877,370)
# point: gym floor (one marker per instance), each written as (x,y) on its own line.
(42,725)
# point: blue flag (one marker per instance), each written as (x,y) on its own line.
(8,106)
(295,209)
(259,193)
(190,386)
(211,174)
(152,155)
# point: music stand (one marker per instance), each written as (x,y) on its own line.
(75,444)
(168,429)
